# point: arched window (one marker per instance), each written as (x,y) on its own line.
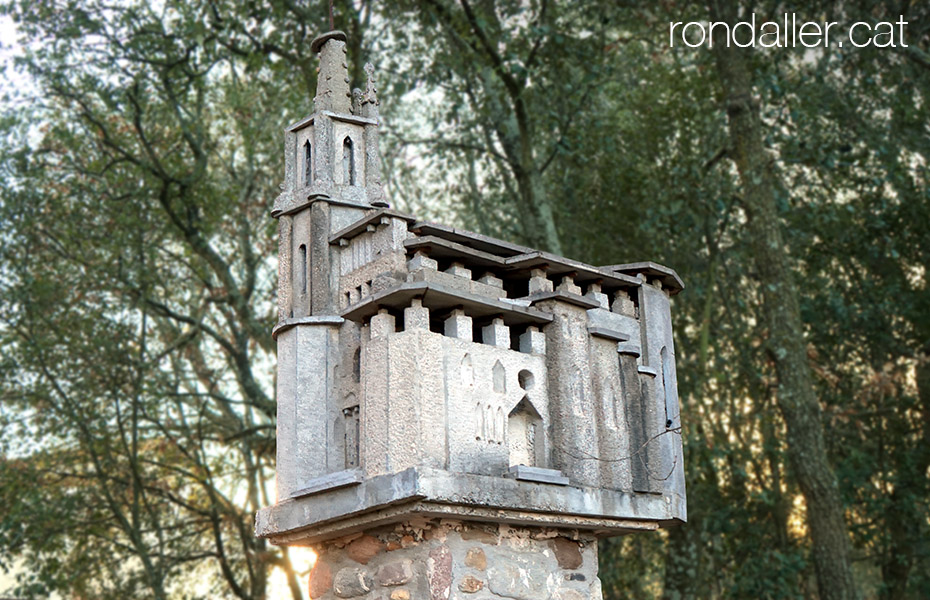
(499,378)
(351,431)
(348,162)
(523,426)
(308,163)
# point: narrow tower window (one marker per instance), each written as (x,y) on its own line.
(348,162)
(302,276)
(308,163)
(351,435)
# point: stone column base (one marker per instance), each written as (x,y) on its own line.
(452,560)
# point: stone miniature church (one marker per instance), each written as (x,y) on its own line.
(458,416)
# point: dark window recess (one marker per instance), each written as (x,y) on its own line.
(302,275)
(348,162)
(308,163)
(351,439)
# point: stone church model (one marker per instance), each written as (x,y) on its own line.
(441,392)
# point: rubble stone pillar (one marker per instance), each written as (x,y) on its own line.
(455,560)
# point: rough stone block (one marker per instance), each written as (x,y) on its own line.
(416,316)
(594,293)
(539,282)
(496,334)
(421,261)
(518,577)
(364,549)
(471,584)
(623,304)
(383,324)
(439,572)
(533,341)
(568,286)
(351,583)
(321,579)
(459,325)
(459,270)
(490,279)
(394,573)
(567,553)
(476,559)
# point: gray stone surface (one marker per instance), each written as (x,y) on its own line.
(399,496)
(538,474)
(330,481)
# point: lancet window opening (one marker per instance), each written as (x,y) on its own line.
(348,161)
(308,163)
(302,275)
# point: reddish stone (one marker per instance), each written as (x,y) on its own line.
(470,584)
(395,573)
(567,553)
(476,559)
(321,579)
(481,535)
(364,549)
(439,572)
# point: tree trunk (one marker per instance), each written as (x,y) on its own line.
(796,397)
(902,514)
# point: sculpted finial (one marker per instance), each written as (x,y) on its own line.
(371,93)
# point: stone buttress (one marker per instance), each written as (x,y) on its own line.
(443,395)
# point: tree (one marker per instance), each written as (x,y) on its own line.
(138,306)
(513,92)
(796,396)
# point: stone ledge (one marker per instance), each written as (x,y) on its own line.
(361,226)
(440,248)
(295,321)
(330,481)
(568,297)
(610,334)
(559,266)
(648,371)
(667,275)
(629,348)
(538,475)
(440,297)
(424,491)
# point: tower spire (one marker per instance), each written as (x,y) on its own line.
(332,86)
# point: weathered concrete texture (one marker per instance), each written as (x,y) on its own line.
(332,88)
(284,268)
(572,400)
(421,491)
(452,560)
(305,350)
